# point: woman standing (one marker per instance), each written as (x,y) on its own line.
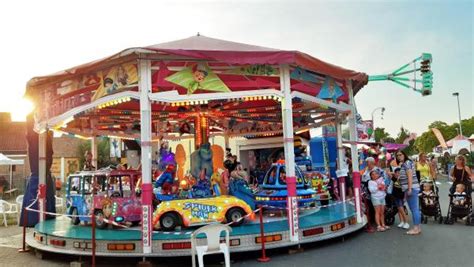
(461,174)
(411,188)
(424,167)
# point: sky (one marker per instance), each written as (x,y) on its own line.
(375,37)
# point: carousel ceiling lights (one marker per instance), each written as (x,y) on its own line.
(114,102)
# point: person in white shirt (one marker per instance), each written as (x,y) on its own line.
(377,195)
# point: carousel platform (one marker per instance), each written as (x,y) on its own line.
(60,236)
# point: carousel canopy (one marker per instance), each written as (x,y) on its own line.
(216,50)
(102,98)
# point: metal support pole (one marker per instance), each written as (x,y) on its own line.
(11,176)
(144,84)
(264,257)
(25,222)
(288,144)
(372,115)
(340,160)
(355,155)
(42,174)
(93,233)
(95,154)
(226,141)
(459,113)
(63,169)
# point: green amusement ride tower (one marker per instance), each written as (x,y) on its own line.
(421,65)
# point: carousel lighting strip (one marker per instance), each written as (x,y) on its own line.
(188,103)
(52,122)
(174,96)
(71,134)
(264,97)
(114,102)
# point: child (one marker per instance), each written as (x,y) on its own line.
(459,197)
(377,193)
(399,195)
(428,194)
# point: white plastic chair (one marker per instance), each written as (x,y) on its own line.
(214,246)
(19,206)
(59,203)
(7,209)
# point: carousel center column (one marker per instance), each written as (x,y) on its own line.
(288,144)
(144,85)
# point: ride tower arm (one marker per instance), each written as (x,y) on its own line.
(420,65)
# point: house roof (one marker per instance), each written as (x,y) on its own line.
(13,138)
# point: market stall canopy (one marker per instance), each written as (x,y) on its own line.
(391,147)
(4,160)
(451,142)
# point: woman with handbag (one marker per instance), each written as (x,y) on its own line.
(460,174)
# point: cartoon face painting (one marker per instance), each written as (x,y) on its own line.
(199,75)
(107,207)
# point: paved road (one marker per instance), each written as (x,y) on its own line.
(438,245)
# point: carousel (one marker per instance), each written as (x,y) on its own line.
(196,88)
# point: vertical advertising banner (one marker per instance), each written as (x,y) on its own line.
(440,138)
(365,131)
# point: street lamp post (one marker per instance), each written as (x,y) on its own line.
(382,108)
(456,94)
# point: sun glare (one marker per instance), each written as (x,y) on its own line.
(22,108)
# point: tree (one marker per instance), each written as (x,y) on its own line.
(103,149)
(427,141)
(346,133)
(402,136)
(380,134)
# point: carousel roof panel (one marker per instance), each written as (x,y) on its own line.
(204,43)
(215,51)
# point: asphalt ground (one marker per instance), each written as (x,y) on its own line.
(438,245)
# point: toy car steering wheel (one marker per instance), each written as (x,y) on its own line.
(115,194)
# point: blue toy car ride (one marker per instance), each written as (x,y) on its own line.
(273,192)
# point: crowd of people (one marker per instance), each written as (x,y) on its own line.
(404,181)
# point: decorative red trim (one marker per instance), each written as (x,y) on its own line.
(42,191)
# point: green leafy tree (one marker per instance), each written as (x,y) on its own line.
(468,126)
(402,136)
(427,141)
(103,149)
(381,134)
(346,134)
